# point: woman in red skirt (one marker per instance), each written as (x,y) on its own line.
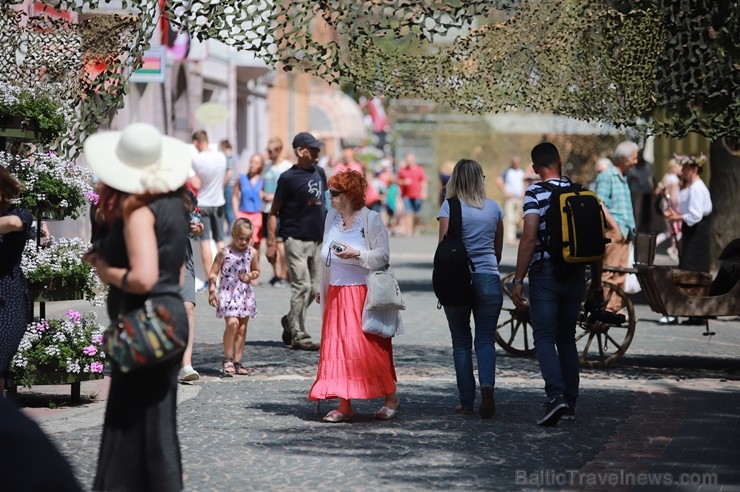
(352,364)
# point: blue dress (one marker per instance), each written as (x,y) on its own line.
(15,302)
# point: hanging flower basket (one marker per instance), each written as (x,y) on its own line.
(30,115)
(51,185)
(60,351)
(54,289)
(55,271)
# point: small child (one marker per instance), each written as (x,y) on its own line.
(238,265)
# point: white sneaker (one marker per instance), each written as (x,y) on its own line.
(187,373)
(668,320)
(673,253)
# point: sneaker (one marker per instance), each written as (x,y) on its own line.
(307,346)
(488,403)
(281,283)
(569,414)
(668,320)
(187,373)
(673,253)
(287,335)
(554,409)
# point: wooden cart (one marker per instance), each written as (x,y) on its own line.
(669,291)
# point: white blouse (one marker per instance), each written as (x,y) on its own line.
(341,271)
(694,202)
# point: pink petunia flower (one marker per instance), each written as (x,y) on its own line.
(74,316)
(97,339)
(90,350)
(93,197)
(96,367)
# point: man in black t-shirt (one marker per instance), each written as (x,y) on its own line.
(300,204)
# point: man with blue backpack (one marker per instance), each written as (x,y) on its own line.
(563,232)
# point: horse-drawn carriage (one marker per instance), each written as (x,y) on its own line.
(669,291)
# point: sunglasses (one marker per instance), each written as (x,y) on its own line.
(335,193)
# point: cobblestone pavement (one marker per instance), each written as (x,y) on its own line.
(671,406)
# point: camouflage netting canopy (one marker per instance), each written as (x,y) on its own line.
(616,61)
(669,66)
(83,66)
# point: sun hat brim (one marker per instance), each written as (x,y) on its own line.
(167,174)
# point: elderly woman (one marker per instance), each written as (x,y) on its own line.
(482,235)
(352,364)
(15,305)
(144,203)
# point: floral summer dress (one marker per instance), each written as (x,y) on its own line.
(235,298)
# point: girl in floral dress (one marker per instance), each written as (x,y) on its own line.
(238,266)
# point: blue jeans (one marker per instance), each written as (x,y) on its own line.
(228,208)
(554,304)
(487,299)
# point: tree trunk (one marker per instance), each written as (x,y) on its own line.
(724,159)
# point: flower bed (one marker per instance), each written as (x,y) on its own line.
(57,266)
(60,351)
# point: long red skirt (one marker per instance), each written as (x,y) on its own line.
(352,364)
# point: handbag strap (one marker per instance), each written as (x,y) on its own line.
(365,222)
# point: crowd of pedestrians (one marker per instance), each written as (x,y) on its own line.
(326,227)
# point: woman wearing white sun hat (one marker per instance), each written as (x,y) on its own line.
(144,204)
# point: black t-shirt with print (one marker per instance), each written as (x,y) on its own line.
(302,213)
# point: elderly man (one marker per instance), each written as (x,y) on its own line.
(614,192)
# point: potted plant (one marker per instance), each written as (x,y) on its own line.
(55,271)
(52,186)
(60,351)
(31,114)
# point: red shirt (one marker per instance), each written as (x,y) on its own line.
(416,175)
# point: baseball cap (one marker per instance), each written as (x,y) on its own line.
(306,140)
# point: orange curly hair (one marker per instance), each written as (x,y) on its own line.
(353,184)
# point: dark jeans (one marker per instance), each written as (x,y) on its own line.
(554,304)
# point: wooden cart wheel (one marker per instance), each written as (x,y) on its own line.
(601,343)
(514,330)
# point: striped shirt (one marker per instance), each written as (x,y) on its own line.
(614,192)
(537,201)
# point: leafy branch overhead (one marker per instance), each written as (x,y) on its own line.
(670,64)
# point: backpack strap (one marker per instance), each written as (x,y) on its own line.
(454,229)
(455,226)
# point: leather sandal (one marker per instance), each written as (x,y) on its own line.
(336,416)
(227,367)
(387,413)
(240,370)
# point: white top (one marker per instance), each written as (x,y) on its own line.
(694,202)
(210,167)
(514,181)
(374,253)
(345,272)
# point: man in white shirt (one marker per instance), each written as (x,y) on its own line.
(210,167)
(511,183)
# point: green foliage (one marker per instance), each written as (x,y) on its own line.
(37,110)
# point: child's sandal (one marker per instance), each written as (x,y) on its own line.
(228,367)
(240,369)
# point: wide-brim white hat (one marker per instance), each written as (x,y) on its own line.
(138,159)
